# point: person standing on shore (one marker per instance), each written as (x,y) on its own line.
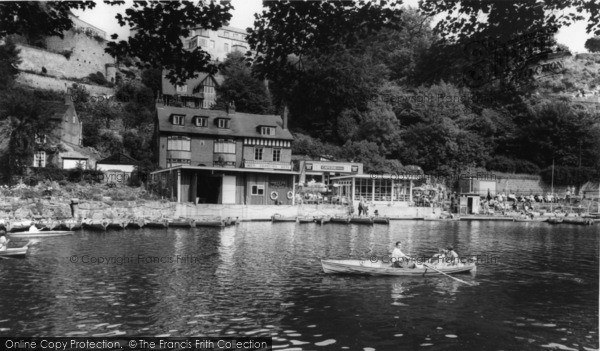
(3,240)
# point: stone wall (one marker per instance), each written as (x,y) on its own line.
(57,84)
(527,187)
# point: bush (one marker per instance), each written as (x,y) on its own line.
(37,175)
(98,78)
(523,166)
(501,164)
(566,176)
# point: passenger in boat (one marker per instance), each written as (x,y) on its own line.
(33,229)
(399,259)
(3,240)
(438,257)
(451,255)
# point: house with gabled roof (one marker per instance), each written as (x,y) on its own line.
(199,92)
(224,157)
(66,150)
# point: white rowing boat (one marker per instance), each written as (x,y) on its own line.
(379,268)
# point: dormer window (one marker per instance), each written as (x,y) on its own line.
(223,123)
(178,120)
(201,121)
(267,131)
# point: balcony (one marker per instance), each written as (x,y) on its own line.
(268,165)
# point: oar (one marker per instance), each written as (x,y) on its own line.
(448,275)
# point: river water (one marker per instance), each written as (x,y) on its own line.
(538,289)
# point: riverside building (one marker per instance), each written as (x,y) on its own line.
(223,157)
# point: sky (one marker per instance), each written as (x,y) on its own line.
(103,17)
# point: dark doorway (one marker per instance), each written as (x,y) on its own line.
(209,189)
(470,205)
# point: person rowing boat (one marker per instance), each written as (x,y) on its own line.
(399,258)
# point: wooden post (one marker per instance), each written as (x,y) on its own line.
(293,189)
(179,186)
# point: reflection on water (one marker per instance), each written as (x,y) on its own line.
(265,279)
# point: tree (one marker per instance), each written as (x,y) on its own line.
(247,92)
(593,44)
(159,29)
(27,117)
(9,60)
(38,19)
(152,78)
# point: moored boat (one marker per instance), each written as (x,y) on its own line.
(136,223)
(344,220)
(322,220)
(217,223)
(305,219)
(182,223)
(367,267)
(70,224)
(96,225)
(555,220)
(117,225)
(279,218)
(381,220)
(40,234)
(361,220)
(576,220)
(229,221)
(158,224)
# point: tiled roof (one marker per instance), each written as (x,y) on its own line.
(241,124)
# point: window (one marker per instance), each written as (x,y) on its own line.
(182,88)
(276,155)
(226,47)
(223,123)
(209,90)
(212,44)
(193,44)
(258,190)
(40,138)
(225,146)
(39,159)
(201,121)
(226,34)
(178,143)
(178,120)
(258,153)
(267,131)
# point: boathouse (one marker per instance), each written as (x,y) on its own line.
(223,157)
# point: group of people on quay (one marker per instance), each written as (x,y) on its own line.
(444,257)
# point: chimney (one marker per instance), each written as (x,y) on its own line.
(231,108)
(285,117)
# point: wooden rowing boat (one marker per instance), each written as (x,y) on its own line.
(164,224)
(280,218)
(95,225)
(219,223)
(17,252)
(117,225)
(361,220)
(555,220)
(305,219)
(578,221)
(344,220)
(381,220)
(379,268)
(136,223)
(182,223)
(40,234)
(70,224)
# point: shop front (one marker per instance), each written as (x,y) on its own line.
(384,189)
